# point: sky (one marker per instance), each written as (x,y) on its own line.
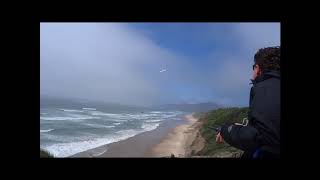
(121,62)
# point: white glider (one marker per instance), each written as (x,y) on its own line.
(163,70)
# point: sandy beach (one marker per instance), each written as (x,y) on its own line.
(173,137)
(136,146)
(180,141)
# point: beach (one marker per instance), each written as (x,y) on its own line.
(180,142)
(172,137)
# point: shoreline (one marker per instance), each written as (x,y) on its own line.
(135,146)
(171,137)
(180,141)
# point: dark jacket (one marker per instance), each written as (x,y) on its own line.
(263,129)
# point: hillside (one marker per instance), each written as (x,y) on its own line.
(199,107)
(45,154)
(217,118)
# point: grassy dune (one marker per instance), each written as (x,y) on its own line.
(45,154)
(217,118)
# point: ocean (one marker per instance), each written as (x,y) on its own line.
(67,130)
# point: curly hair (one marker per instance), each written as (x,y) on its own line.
(268,58)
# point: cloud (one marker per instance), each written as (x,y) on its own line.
(108,62)
(114,62)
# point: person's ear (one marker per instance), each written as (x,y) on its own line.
(259,70)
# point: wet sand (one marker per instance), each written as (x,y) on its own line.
(136,146)
(179,141)
(171,137)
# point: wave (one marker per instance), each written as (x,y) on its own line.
(99,126)
(77,118)
(126,117)
(129,132)
(62,138)
(98,113)
(119,120)
(68,146)
(71,148)
(153,120)
(142,116)
(46,130)
(43,113)
(149,127)
(169,116)
(92,109)
(156,112)
(154,115)
(113,117)
(71,110)
(100,153)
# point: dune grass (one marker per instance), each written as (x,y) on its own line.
(216,118)
(45,154)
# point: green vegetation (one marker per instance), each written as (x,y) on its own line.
(45,154)
(216,118)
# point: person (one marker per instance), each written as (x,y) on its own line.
(260,138)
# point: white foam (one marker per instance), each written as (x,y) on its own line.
(149,127)
(169,116)
(156,112)
(153,120)
(61,139)
(112,117)
(119,120)
(100,153)
(64,118)
(99,125)
(70,146)
(129,132)
(69,149)
(141,116)
(43,113)
(45,130)
(71,110)
(92,109)
(98,113)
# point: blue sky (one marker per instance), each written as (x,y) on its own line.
(120,62)
(189,39)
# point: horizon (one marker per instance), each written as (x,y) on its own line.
(78,100)
(149,64)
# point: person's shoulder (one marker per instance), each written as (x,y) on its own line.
(273,82)
(268,82)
